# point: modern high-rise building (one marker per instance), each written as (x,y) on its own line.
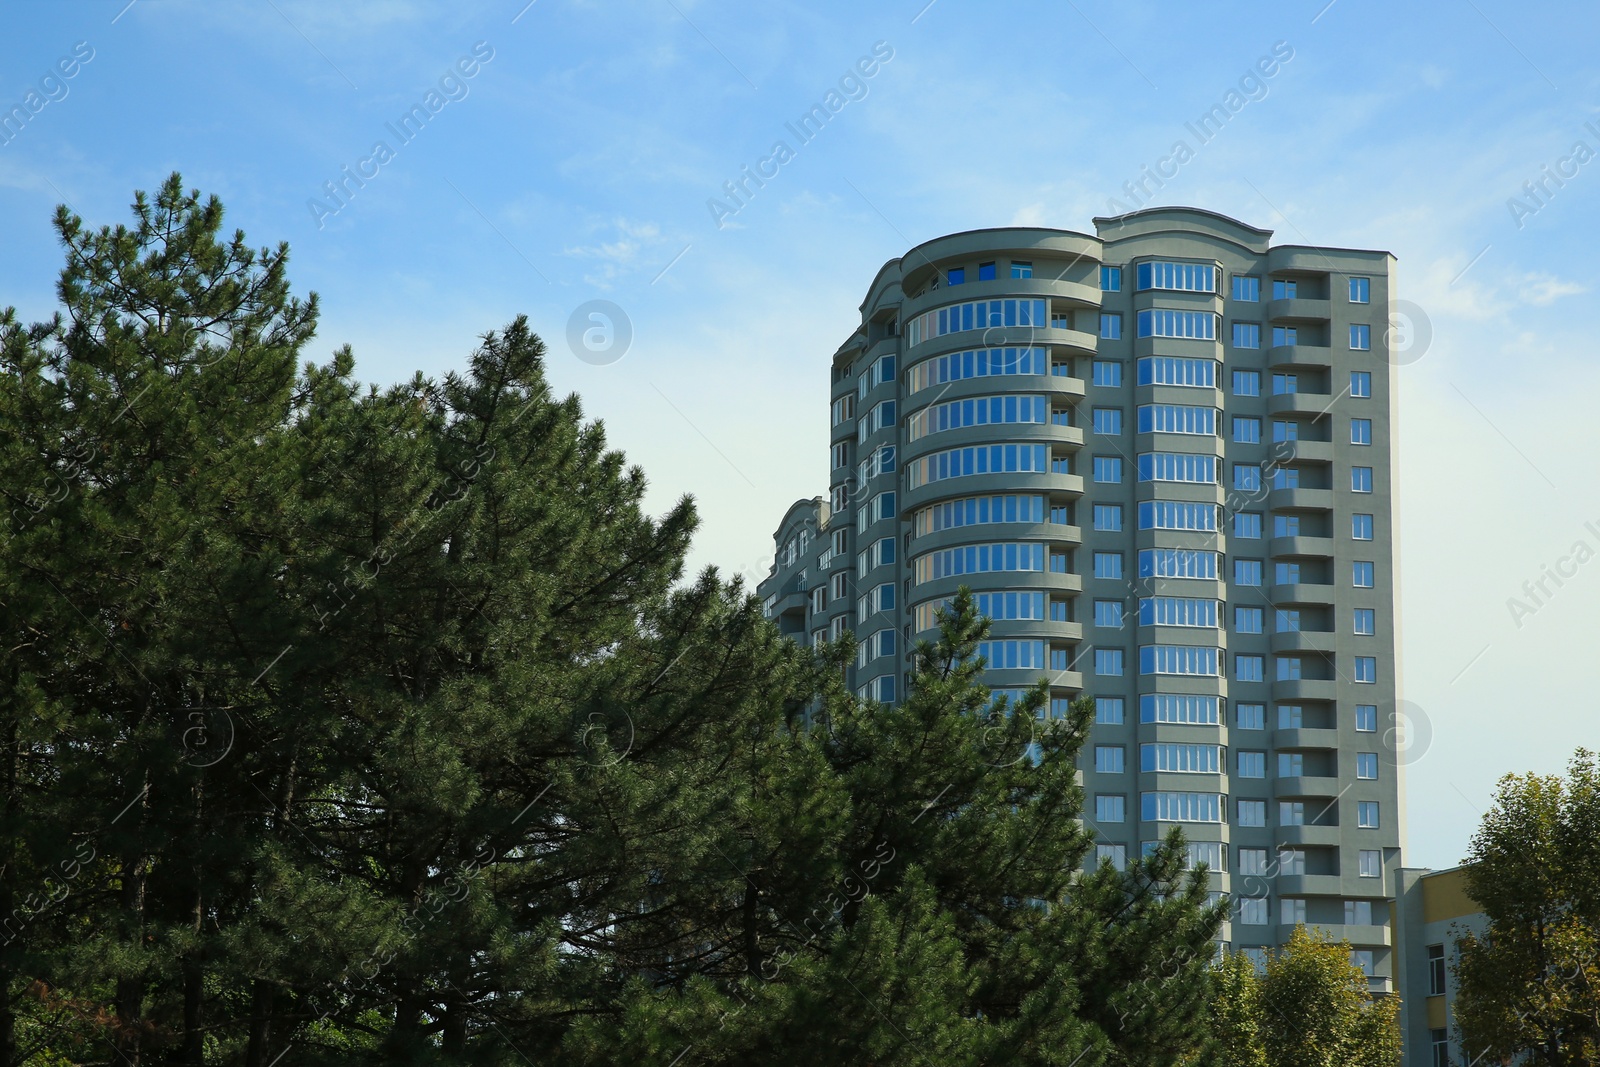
(1161,457)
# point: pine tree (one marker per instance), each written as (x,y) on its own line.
(383,726)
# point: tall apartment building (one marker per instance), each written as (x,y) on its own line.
(1160,456)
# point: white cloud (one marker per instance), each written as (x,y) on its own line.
(1542,290)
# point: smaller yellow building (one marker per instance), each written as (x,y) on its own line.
(1432,912)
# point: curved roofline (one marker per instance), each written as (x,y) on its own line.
(815,503)
(999,229)
(1339,248)
(1229,219)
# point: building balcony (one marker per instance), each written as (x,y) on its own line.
(1310,451)
(1078,341)
(1305,786)
(1013,482)
(1305,641)
(1304,689)
(1291,357)
(1310,885)
(1300,499)
(1299,404)
(1301,593)
(1297,309)
(1307,835)
(1025,677)
(1305,737)
(1358,936)
(1301,546)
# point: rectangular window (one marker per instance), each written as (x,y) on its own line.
(1173,515)
(1188,660)
(1283,336)
(1108,662)
(1109,759)
(1108,517)
(1367,814)
(1249,668)
(1116,855)
(1252,860)
(1360,383)
(1250,716)
(1181,277)
(1177,563)
(1180,807)
(1361,527)
(1178,611)
(1012,655)
(1291,813)
(1208,853)
(1177,467)
(1361,431)
(1246,383)
(1021,270)
(1290,716)
(1107,421)
(1370,863)
(1366,669)
(1177,418)
(1291,764)
(1246,287)
(1366,621)
(1247,524)
(978,559)
(1247,335)
(1108,470)
(1246,430)
(1360,337)
(1294,911)
(1435,970)
(1362,958)
(986,272)
(1285,526)
(1247,620)
(1289,668)
(1361,574)
(1366,718)
(1247,477)
(1111,279)
(955,276)
(1110,808)
(1246,572)
(1108,613)
(1285,430)
(1111,326)
(1108,564)
(1192,325)
(1361,479)
(1286,574)
(1172,370)
(1252,765)
(1178,708)
(1285,384)
(1107,374)
(1252,813)
(1366,765)
(1360,290)
(1283,289)
(1288,620)
(1108,711)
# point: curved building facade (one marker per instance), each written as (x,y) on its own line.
(1160,457)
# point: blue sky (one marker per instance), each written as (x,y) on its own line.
(579,159)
